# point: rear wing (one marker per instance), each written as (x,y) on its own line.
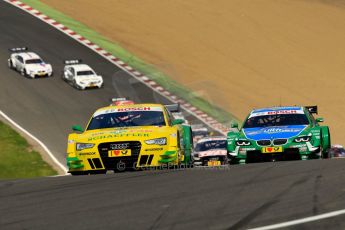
(173,108)
(18,49)
(121,101)
(72,62)
(312,109)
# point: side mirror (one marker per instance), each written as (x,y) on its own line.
(319,119)
(177,122)
(77,128)
(234,125)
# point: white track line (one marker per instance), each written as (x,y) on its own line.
(35,139)
(301,221)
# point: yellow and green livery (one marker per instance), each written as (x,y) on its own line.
(130,136)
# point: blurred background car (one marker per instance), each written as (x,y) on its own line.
(210,151)
(337,151)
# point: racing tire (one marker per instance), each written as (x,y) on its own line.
(25,74)
(75,85)
(63,77)
(10,65)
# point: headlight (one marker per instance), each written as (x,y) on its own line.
(158,141)
(81,146)
(302,139)
(82,82)
(243,143)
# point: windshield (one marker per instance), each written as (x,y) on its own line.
(209,145)
(34,61)
(276,120)
(85,72)
(127,119)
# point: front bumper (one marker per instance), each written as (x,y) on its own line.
(142,156)
(40,74)
(290,152)
(210,160)
(90,85)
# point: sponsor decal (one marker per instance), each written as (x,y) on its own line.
(275,112)
(280,130)
(109,136)
(154,149)
(275,149)
(134,109)
(273,132)
(129,109)
(87,154)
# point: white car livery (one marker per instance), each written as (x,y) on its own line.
(210,151)
(29,64)
(81,76)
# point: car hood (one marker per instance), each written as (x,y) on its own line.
(273,132)
(38,67)
(130,133)
(212,152)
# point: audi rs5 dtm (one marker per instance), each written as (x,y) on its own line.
(279,133)
(29,64)
(129,137)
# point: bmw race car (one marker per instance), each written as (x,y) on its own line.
(81,76)
(279,133)
(210,151)
(129,137)
(29,64)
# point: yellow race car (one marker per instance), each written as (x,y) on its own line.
(129,136)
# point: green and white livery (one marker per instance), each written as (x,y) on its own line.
(279,133)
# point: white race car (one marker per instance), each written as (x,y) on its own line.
(28,63)
(81,76)
(210,151)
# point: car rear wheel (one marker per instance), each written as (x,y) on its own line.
(63,77)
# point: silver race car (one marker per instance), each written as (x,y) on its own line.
(81,76)
(29,64)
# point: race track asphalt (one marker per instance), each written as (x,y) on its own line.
(238,197)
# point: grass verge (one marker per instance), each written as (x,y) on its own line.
(17,159)
(138,64)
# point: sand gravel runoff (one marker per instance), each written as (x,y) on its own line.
(239,54)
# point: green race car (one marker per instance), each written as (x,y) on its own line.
(279,133)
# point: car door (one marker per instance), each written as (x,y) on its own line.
(19,62)
(69,73)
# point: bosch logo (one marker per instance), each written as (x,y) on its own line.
(119,146)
